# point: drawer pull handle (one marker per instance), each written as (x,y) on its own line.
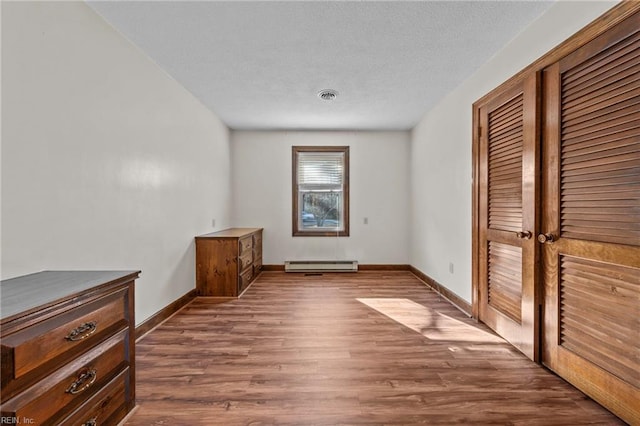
(85,379)
(91,422)
(82,332)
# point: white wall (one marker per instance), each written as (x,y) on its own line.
(379,172)
(107,163)
(441,149)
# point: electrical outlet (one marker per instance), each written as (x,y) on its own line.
(213,223)
(451,267)
(366,221)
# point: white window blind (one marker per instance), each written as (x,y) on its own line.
(320,169)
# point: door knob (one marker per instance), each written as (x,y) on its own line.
(525,235)
(546,238)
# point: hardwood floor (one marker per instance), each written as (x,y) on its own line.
(367,348)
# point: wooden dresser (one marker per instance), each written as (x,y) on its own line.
(68,354)
(228,261)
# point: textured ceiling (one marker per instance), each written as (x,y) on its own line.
(259,65)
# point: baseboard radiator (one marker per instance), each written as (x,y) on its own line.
(321,266)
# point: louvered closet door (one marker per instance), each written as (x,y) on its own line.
(591,219)
(507,216)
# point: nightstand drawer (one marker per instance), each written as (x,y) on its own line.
(72,384)
(100,409)
(73,331)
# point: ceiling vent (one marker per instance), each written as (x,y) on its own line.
(327,94)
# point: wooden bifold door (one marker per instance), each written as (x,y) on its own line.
(558,216)
(590,230)
(508,198)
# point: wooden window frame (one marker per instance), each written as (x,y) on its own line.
(296,231)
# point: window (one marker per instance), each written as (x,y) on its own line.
(321,191)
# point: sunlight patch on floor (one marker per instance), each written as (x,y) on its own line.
(428,322)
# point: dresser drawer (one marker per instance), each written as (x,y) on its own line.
(73,331)
(257,239)
(257,266)
(245,279)
(100,408)
(72,384)
(246,260)
(245,245)
(257,251)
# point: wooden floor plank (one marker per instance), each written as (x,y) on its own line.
(376,347)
